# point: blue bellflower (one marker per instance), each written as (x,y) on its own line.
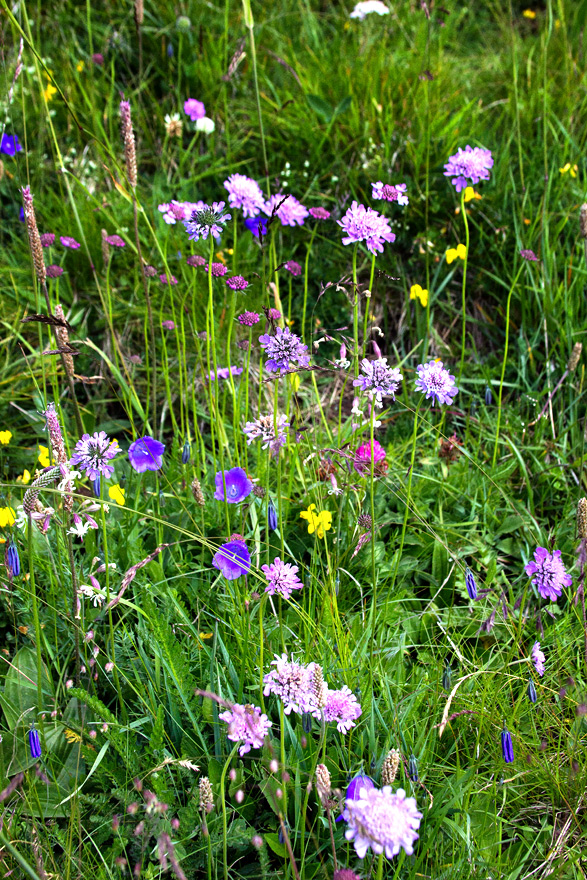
(361,780)
(271,517)
(146,454)
(11,559)
(232,559)
(34,743)
(507,747)
(470,583)
(238,486)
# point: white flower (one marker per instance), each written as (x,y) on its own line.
(79,529)
(97,596)
(67,484)
(205,124)
(364,8)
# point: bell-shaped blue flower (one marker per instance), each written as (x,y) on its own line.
(146,454)
(507,747)
(271,517)
(34,743)
(12,559)
(186,453)
(470,583)
(353,792)
(233,559)
(238,485)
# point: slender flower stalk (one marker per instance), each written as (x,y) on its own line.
(504,362)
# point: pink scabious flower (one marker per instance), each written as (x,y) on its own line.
(525,254)
(149,271)
(538,658)
(54,271)
(93,454)
(115,241)
(218,269)
(168,325)
(290,213)
(196,260)
(173,211)
(246,724)
(282,349)
(383,821)
(244,193)
(293,267)
(248,319)
(292,683)
(167,279)
(68,242)
(362,462)
(364,224)
(550,575)
(281,578)
(390,193)
(237,282)
(319,213)
(379,380)
(47,238)
(270,430)
(436,382)
(274,314)
(194,109)
(342,707)
(471,164)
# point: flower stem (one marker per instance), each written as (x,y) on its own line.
(223,803)
(464,285)
(503,363)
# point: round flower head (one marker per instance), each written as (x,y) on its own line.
(390,193)
(232,559)
(378,380)
(47,239)
(54,271)
(246,723)
(238,485)
(549,573)
(218,270)
(290,213)
(525,254)
(196,260)
(383,821)
(293,267)
(9,144)
(319,213)
(92,454)
(292,683)
(194,109)
(209,219)
(364,224)
(146,454)
(436,382)
(237,282)
(362,462)
(366,7)
(68,242)
(282,349)
(472,163)
(249,319)
(538,658)
(343,708)
(257,225)
(281,578)
(168,279)
(270,430)
(115,241)
(245,193)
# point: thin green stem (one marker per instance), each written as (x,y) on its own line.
(464,285)
(503,363)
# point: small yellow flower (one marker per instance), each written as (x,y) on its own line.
(49,92)
(527,221)
(26,477)
(317,522)
(44,456)
(294,381)
(7,517)
(5,437)
(529,13)
(116,492)
(418,292)
(452,253)
(71,736)
(80,66)
(470,194)
(220,256)
(572,169)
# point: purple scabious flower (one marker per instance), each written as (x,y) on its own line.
(9,144)
(290,213)
(244,193)
(47,238)
(281,578)
(224,373)
(92,454)
(436,382)
(282,349)
(550,575)
(538,658)
(342,707)
(218,269)
(196,260)
(319,213)
(232,559)
(206,220)
(115,241)
(246,724)
(68,242)
(269,430)
(292,683)
(293,267)
(274,314)
(383,821)
(471,164)
(507,747)
(364,224)
(529,255)
(168,325)
(379,380)
(238,485)
(194,109)
(390,193)
(167,279)
(237,282)
(257,225)
(248,319)
(54,271)
(146,454)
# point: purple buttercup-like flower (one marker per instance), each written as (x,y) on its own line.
(115,241)
(47,238)
(390,193)
(290,213)
(194,109)
(529,255)
(167,279)
(269,430)
(292,683)
(244,193)
(342,707)
(249,319)
(224,373)
(281,578)
(383,821)
(209,219)
(54,271)
(92,454)
(364,224)
(319,213)
(550,575)
(379,380)
(237,282)
(282,349)
(436,382)
(538,658)
(146,454)
(68,242)
(293,267)
(9,144)
(238,485)
(353,791)
(247,724)
(257,225)
(196,260)
(507,747)
(218,269)
(471,164)
(232,559)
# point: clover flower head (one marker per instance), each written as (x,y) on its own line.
(282,349)
(472,163)
(364,224)
(342,707)
(382,820)
(390,193)
(538,658)
(282,578)
(290,213)
(93,454)
(379,380)
(548,573)
(247,724)
(271,431)
(207,220)
(244,193)
(436,382)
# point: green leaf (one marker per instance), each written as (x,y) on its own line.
(321,107)
(20,689)
(272,840)
(343,106)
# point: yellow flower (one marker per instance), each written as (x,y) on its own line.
(7,517)
(470,194)
(71,736)
(317,522)
(116,492)
(568,167)
(527,221)
(49,92)
(44,456)
(452,253)
(5,437)
(80,66)
(529,13)
(417,292)
(26,477)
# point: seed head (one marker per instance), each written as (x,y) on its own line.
(206,795)
(34,237)
(130,150)
(323,784)
(582,518)
(583,220)
(197,492)
(389,768)
(575,357)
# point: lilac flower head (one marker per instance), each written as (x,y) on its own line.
(218,269)
(256,225)
(319,213)
(378,380)
(526,255)
(237,282)
(115,241)
(292,683)
(68,242)
(550,575)
(209,219)
(471,164)
(196,260)
(343,708)
(245,193)
(249,319)
(436,382)
(194,109)
(538,658)
(54,271)
(282,349)
(238,485)
(92,454)
(9,144)
(271,431)
(281,578)
(146,454)
(232,559)
(290,213)
(47,238)
(248,724)
(383,821)
(224,373)
(390,193)
(364,224)
(293,267)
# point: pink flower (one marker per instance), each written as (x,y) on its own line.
(281,578)
(168,325)
(342,707)
(248,724)
(68,242)
(194,109)
(362,462)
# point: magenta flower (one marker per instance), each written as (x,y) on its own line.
(93,454)
(244,193)
(525,254)
(364,224)
(238,485)
(379,380)
(281,578)
(167,279)
(282,349)
(274,314)
(248,319)
(218,269)
(146,454)
(232,559)
(194,109)
(196,260)
(47,238)
(390,193)
(208,220)
(383,821)
(68,242)
(362,462)
(168,325)
(293,267)
(319,213)
(54,271)
(342,707)
(246,724)
(270,430)
(290,213)
(471,164)
(237,282)
(436,382)
(538,658)
(115,241)
(550,575)
(224,373)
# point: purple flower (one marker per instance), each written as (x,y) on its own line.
(9,144)
(149,271)
(146,454)
(237,282)
(218,269)
(115,241)
(436,382)
(319,213)
(34,743)
(232,559)
(224,373)
(209,219)
(167,279)
(245,193)
(362,461)
(281,578)
(12,559)
(293,267)
(342,707)
(550,575)
(507,747)
(292,683)
(269,430)
(248,319)
(68,242)
(290,213)
(529,255)
(257,225)
(282,349)
(196,260)
(168,325)
(248,724)
(383,821)
(238,485)
(352,793)
(538,658)
(47,238)
(194,109)
(364,224)
(378,380)
(390,193)
(470,583)
(273,314)
(92,454)
(472,163)
(54,271)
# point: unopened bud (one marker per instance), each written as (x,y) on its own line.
(583,220)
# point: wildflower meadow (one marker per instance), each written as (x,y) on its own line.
(293,502)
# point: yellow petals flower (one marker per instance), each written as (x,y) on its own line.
(529,13)
(568,167)
(5,437)
(116,492)
(71,736)
(417,292)
(470,194)
(317,522)
(7,517)
(452,253)
(80,66)
(44,456)
(26,477)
